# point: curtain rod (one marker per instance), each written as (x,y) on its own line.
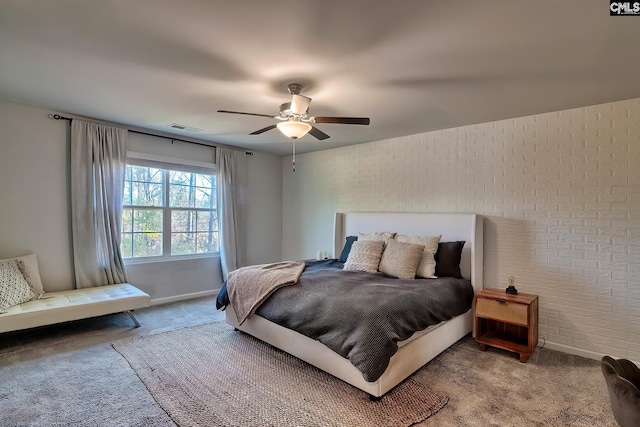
(59,117)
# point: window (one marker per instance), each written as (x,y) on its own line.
(168,213)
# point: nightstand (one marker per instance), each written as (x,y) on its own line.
(505,321)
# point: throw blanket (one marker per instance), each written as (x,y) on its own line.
(248,287)
(362,316)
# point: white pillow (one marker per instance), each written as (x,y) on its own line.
(14,289)
(379,235)
(401,259)
(365,256)
(31,262)
(427,266)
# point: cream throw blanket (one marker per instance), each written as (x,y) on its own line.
(249,287)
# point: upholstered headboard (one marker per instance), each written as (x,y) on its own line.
(452,227)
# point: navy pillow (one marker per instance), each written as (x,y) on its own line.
(448,259)
(347,248)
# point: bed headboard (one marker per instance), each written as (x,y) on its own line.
(452,226)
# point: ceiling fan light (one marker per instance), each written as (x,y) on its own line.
(294,129)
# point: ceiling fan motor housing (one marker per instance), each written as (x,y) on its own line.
(295,88)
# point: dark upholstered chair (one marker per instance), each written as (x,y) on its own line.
(623,382)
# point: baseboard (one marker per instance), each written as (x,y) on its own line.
(159,301)
(573,350)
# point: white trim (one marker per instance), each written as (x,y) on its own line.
(587,354)
(167,300)
(569,349)
(168,258)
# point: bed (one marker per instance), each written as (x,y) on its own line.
(413,352)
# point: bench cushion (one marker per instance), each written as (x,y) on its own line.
(63,306)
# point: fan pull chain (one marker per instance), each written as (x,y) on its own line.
(293,162)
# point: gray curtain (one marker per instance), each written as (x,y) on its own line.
(231,169)
(98,163)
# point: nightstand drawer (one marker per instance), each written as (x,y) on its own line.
(502,310)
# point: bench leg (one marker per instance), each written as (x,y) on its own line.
(133,318)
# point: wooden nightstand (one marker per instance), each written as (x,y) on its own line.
(509,322)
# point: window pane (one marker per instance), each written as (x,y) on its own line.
(126,197)
(147,220)
(146,194)
(146,174)
(183,243)
(203,198)
(183,221)
(126,248)
(181,196)
(204,180)
(189,190)
(181,192)
(147,244)
(143,186)
(207,242)
(182,178)
(207,221)
(127,220)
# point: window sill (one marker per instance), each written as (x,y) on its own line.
(153,260)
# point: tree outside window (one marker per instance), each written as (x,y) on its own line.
(182,203)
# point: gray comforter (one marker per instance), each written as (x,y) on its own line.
(362,316)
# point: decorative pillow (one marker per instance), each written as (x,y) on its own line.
(365,256)
(347,248)
(401,259)
(31,264)
(448,259)
(14,289)
(25,273)
(427,266)
(380,235)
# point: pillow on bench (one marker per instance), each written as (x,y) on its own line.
(32,274)
(14,288)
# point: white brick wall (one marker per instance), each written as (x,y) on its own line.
(560,193)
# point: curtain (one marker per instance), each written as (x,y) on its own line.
(231,167)
(98,164)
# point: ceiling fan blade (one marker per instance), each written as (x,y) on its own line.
(259,131)
(271,116)
(343,120)
(318,134)
(300,104)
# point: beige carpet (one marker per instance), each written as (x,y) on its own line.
(209,375)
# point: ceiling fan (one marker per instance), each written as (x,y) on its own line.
(295,119)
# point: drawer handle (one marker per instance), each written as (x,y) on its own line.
(501,301)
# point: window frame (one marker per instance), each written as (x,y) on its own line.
(167,165)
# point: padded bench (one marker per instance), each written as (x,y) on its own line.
(64,306)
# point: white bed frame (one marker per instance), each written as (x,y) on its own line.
(416,351)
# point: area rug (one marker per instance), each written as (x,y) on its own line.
(211,375)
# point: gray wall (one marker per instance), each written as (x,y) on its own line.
(34,207)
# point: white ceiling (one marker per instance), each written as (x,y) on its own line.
(410,65)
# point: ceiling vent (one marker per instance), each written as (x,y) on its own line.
(184,128)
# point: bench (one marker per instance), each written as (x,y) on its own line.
(75,304)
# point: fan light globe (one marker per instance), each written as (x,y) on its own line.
(294,129)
